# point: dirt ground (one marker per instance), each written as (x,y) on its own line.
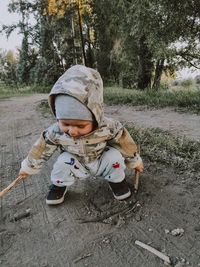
(91,228)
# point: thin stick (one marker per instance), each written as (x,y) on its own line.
(136,185)
(82,257)
(2,193)
(154,251)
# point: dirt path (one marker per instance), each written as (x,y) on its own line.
(91,228)
(181,124)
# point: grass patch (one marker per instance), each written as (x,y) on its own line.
(161,146)
(182,100)
(187,100)
(10,91)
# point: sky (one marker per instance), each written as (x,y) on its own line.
(8,19)
(15,39)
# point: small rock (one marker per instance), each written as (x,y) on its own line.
(106,240)
(178,231)
(167,231)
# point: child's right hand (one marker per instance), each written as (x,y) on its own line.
(140,167)
(23,174)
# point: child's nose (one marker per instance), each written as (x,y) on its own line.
(73,131)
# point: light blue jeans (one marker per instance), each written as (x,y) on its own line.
(67,168)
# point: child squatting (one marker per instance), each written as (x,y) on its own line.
(90,143)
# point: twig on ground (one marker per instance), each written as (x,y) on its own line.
(82,257)
(154,251)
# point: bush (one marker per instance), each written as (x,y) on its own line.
(128,80)
(186,83)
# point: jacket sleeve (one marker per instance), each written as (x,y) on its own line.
(127,147)
(40,152)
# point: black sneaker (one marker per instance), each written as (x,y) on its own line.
(56,194)
(120,190)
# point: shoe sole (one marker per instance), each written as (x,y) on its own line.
(57,201)
(122,197)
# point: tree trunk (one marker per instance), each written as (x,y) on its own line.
(145,65)
(89,52)
(81,34)
(158,73)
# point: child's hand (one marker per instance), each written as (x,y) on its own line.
(140,167)
(23,174)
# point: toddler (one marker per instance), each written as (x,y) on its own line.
(90,144)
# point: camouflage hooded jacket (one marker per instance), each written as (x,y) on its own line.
(86,85)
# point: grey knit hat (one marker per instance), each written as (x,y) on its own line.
(68,107)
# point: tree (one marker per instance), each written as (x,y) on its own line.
(107,35)
(153,29)
(8,67)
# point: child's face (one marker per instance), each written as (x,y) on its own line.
(75,128)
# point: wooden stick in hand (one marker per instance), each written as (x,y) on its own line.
(136,185)
(2,193)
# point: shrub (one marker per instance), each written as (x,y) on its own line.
(128,80)
(186,83)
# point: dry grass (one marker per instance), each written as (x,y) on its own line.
(161,146)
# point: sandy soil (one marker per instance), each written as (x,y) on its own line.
(91,228)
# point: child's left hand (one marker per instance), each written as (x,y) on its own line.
(140,167)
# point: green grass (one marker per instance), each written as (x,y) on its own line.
(185,99)
(161,146)
(188,100)
(10,91)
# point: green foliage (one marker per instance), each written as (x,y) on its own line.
(152,28)
(8,90)
(8,68)
(134,41)
(11,90)
(41,88)
(106,28)
(164,86)
(186,83)
(128,80)
(197,79)
(182,99)
(23,72)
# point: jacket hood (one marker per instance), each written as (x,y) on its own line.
(83,83)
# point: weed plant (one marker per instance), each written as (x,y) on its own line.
(188,100)
(161,146)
